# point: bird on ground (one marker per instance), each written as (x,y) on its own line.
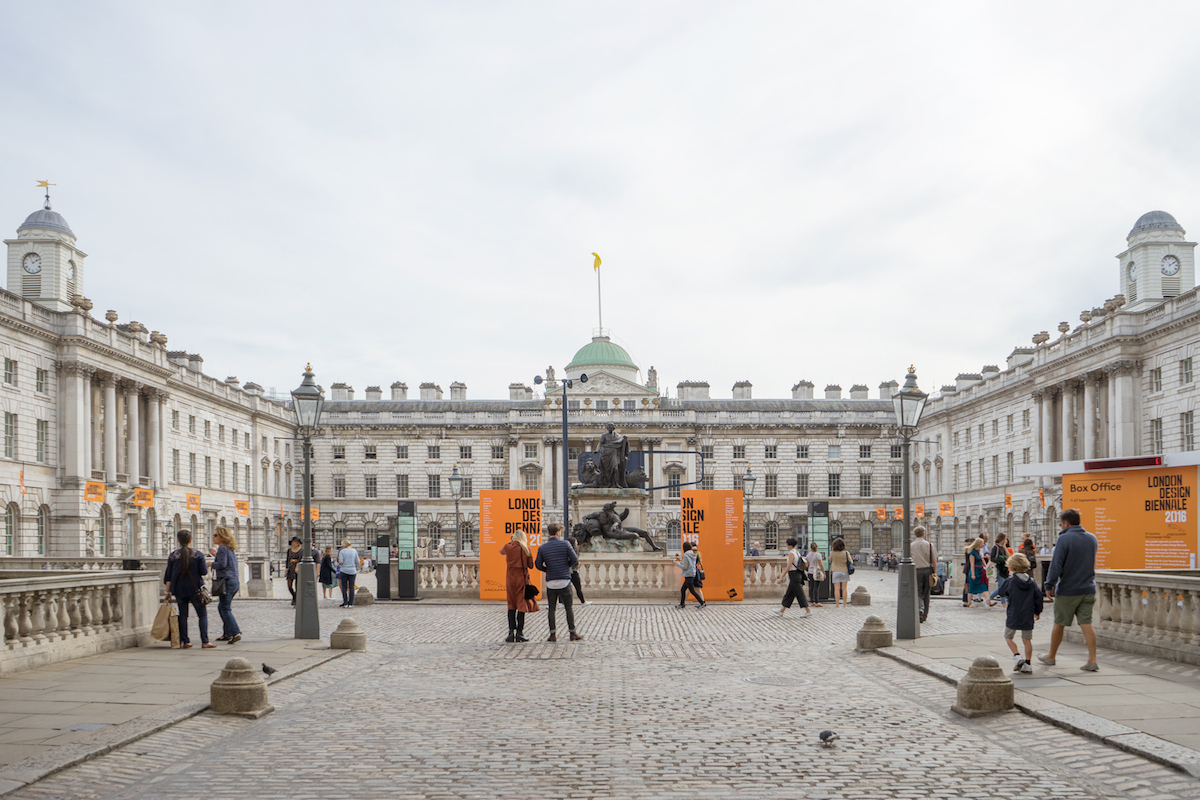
(828,738)
(271,671)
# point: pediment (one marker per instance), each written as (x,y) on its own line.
(605,383)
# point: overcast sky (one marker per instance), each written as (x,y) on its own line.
(412,191)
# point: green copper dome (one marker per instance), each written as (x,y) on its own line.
(601,351)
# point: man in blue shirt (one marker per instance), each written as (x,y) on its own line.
(555,558)
(1071,581)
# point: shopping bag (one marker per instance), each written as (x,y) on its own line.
(173,621)
(160,631)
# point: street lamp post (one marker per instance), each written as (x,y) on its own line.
(567,383)
(908,403)
(456,489)
(748,480)
(307,403)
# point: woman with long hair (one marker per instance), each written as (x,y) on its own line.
(184,576)
(225,566)
(976,585)
(795,577)
(520,560)
(689,562)
(327,578)
(840,570)
(816,573)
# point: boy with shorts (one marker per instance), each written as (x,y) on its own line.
(1024,607)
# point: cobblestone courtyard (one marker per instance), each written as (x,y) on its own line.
(656,703)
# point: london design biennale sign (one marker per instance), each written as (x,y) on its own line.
(712,519)
(501,514)
(1144,518)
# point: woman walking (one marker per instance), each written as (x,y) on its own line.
(184,576)
(326,578)
(520,561)
(976,585)
(795,578)
(816,572)
(225,567)
(839,566)
(688,562)
(1000,553)
(348,562)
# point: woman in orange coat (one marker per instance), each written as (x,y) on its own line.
(520,561)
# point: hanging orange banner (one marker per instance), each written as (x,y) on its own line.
(712,519)
(919,511)
(881,513)
(242,507)
(1042,497)
(316,514)
(945,509)
(143,498)
(1007,501)
(898,512)
(93,491)
(193,502)
(503,512)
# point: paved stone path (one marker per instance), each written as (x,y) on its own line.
(655,703)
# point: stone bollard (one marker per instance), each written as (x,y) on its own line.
(363,597)
(860,597)
(348,636)
(239,690)
(873,634)
(984,690)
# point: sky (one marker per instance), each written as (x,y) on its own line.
(779,191)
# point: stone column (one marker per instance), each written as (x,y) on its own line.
(74,430)
(1124,416)
(85,394)
(163,461)
(1067,422)
(1106,412)
(153,454)
(1045,398)
(110,427)
(133,391)
(97,425)
(1090,387)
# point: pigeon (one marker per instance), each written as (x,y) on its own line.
(828,738)
(271,671)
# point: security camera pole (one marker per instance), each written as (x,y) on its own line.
(566,481)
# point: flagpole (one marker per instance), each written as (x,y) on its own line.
(599,302)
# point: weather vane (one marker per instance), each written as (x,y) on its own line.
(46,185)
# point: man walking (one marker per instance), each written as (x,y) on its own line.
(924,558)
(1071,582)
(555,558)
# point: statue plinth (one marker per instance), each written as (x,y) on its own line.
(586,499)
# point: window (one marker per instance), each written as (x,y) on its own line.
(233,438)
(435,486)
(956,438)
(1189,431)
(191,424)
(464,452)
(801,486)
(770,451)
(864,485)
(572,405)
(208,471)
(1025,419)
(1010,423)
(531,451)
(497,451)
(402,452)
(835,485)
(956,486)
(630,405)
(770,485)
(10,372)
(1009,470)
(982,474)
(247,441)
(43,431)
(369,452)
(339,485)
(372,487)
(1156,436)
(1185,371)
(897,485)
(707,482)
(10,435)
(865,535)
(10,529)
(339,452)
(40,384)
(864,451)
(1156,379)
(981,432)
(739,451)
(531,481)
(402,486)
(43,529)
(175,466)
(221,474)
(897,451)
(287,450)
(264,444)
(967,435)
(433,452)
(249,488)
(276,447)
(673,480)
(835,452)
(706,452)
(221,434)
(995,469)
(192,468)
(468,486)
(673,540)
(233,474)
(802,451)
(1025,456)
(499,483)
(771,535)
(573,454)
(102,532)
(175,420)
(278,493)
(207,429)
(968,475)
(995,428)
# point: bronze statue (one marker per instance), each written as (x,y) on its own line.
(614,450)
(608,523)
(589,475)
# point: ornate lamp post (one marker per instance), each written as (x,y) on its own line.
(908,403)
(748,481)
(567,383)
(456,489)
(307,403)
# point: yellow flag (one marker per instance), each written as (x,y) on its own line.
(596,266)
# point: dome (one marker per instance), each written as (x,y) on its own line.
(602,352)
(1155,220)
(46,218)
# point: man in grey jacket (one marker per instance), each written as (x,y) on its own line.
(555,558)
(1071,581)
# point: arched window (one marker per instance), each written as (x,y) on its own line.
(897,534)
(152,532)
(866,540)
(339,533)
(434,531)
(468,536)
(369,535)
(12,524)
(835,530)
(673,543)
(771,535)
(43,529)
(102,531)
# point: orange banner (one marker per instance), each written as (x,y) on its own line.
(316,513)
(93,491)
(712,519)
(242,507)
(945,509)
(502,513)
(1007,501)
(881,513)
(193,502)
(1144,518)
(143,498)
(1042,497)
(898,512)
(919,511)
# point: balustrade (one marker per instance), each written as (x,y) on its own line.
(1152,612)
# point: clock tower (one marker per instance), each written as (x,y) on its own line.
(1158,263)
(44,266)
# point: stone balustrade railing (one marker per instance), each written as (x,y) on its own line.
(46,564)
(1150,612)
(60,615)
(448,577)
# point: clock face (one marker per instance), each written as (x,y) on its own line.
(1132,272)
(1170,265)
(32,263)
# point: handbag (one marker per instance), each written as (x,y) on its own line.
(218,587)
(531,591)
(205,596)
(849,565)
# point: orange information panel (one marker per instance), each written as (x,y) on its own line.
(898,512)
(143,498)
(316,513)
(93,491)
(242,507)
(712,519)
(1144,518)
(501,514)
(193,502)
(919,510)
(946,509)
